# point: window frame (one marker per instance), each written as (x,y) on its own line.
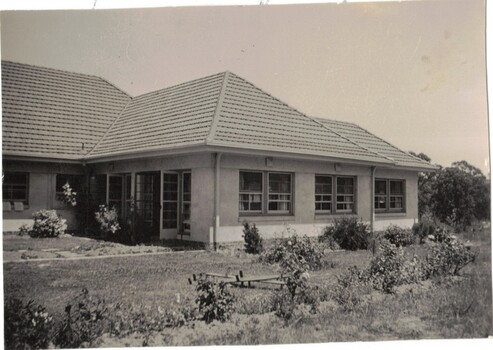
(265,192)
(245,192)
(335,194)
(389,195)
(24,200)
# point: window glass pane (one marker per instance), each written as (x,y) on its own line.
(345,185)
(396,187)
(380,202)
(16,187)
(396,202)
(279,183)
(323,184)
(250,182)
(380,187)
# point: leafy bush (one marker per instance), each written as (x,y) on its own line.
(351,286)
(107,219)
(447,258)
(423,229)
(398,236)
(27,326)
(47,224)
(214,300)
(441,235)
(24,230)
(83,322)
(349,233)
(253,240)
(291,250)
(386,268)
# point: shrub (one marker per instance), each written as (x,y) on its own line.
(47,224)
(83,322)
(27,326)
(24,230)
(423,229)
(351,286)
(107,219)
(295,250)
(447,258)
(399,236)
(253,240)
(441,235)
(349,233)
(214,300)
(386,268)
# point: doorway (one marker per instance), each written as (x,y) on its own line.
(147,205)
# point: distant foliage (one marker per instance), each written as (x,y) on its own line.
(47,224)
(398,236)
(27,325)
(253,240)
(214,300)
(348,232)
(107,218)
(423,229)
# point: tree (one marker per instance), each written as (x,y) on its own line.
(461,194)
(425,187)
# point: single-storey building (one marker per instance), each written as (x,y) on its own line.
(196,159)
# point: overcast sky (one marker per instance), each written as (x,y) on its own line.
(413,73)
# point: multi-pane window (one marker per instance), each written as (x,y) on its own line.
(389,195)
(16,187)
(279,193)
(76,182)
(170,201)
(323,193)
(275,197)
(251,187)
(334,194)
(345,195)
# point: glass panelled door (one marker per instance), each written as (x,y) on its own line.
(147,202)
(115,193)
(170,204)
(186,201)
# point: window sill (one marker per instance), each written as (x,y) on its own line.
(265,217)
(391,214)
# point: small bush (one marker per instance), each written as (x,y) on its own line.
(47,224)
(423,229)
(441,235)
(447,258)
(214,300)
(24,230)
(27,326)
(386,268)
(107,218)
(349,233)
(253,240)
(350,288)
(83,322)
(399,236)
(292,249)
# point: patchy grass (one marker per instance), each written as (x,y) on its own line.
(453,307)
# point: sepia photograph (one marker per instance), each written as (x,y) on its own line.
(256,174)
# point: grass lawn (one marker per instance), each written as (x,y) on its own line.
(447,308)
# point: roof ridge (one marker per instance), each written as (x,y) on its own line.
(313,119)
(353,142)
(113,85)
(215,117)
(109,128)
(388,143)
(179,84)
(53,69)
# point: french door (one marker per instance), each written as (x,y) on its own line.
(176,204)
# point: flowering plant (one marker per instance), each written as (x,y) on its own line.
(47,223)
(69,195)
(107,219)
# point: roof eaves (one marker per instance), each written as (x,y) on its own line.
(215,117)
